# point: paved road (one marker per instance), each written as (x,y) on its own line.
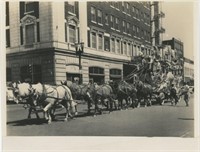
(154,121)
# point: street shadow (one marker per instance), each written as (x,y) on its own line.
(26,122)
(186,118)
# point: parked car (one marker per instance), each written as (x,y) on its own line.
(10,96)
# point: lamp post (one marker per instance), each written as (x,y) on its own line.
(79,51)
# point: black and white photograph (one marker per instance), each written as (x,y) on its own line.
(100,69)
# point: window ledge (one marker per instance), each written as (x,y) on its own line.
(112,28)
(25,13)
(94,22)
(71,13)
(100,24)
(118,30)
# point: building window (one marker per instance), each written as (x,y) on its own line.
(71,7)
(124,26)
(128,28)
(118,46)
(72,34)
(123,7)
(117,23)
(106,19)
(115,74)
(7,37)
(117,5)
(128,7)
(134,30)
(112,44)
(125,48)
(32,73)
(30,34)
(99,16)
(138,31)
(129,49)
(106,43)
(7,14)
(100,41)
(112,21)
(8,74)
(93,14)
(29,7)
(94,40)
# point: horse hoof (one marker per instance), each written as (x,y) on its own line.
(65,119)
(94,115)
(49,122)
(76,113)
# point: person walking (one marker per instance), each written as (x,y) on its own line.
(185,93)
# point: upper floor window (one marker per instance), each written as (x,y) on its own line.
(100,41)
(134,29)
(117,23)
(128,7)
(7,13)
(128,28)
(7,37)
(118,46)
(117,5)
(29,30)
(29,7)
(123,6)
(106,19)
(125,48)
(72,34)
(93,14)
(112,21)
(71,29)
(124,26)
(112,44)
(71,6)
(94,40)
(30,34)
(99,16)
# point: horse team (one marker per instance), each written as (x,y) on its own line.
(110,96)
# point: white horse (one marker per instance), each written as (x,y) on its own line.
(48,96)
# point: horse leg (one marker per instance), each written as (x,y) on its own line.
(29,113)
(36,113)
(138,103)
(49,117)
(145,101)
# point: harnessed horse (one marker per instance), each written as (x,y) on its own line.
(47,96)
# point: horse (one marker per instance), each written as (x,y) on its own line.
(103,95)
(22,94)
(81,92)
(47,96)
(125,91)
(144,91)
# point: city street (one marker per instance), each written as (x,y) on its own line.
(154,121)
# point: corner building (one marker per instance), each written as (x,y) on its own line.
(41,37)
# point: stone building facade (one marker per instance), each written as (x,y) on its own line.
(41,37)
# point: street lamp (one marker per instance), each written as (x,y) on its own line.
(79,51)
